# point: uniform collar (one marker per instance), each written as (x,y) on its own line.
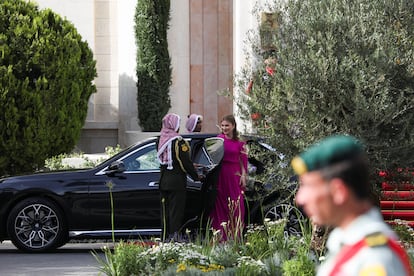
(367,223)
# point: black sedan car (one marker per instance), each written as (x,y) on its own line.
(43,211)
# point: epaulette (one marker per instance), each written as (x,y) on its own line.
(376,239)
(373,240)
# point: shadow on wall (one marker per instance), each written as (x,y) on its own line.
(98,132)
(128,109)
(129,131)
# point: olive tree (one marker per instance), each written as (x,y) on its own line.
(46,74)
(330,67)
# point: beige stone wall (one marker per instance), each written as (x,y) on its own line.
(211,59)
(102,122)
(178,46)
(201,45)
(243,21)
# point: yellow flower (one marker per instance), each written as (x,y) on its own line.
(216,267)
(181,267)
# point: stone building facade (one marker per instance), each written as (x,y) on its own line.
(206,49)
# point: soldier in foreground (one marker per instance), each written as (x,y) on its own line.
(335,191)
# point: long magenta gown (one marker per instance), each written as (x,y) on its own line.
(229,204)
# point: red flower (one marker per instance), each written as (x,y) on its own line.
(270,70)
(255,116)
(383,174)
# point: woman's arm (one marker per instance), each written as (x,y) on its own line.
(243,165)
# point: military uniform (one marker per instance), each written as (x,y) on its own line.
(173,186)
(335,190)
(366,247)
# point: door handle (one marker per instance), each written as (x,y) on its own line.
(153,184)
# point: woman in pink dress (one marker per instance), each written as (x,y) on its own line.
(228,212)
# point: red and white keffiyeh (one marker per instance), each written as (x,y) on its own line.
(192,122)
(169,132)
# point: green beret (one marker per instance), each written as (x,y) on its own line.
(327,152)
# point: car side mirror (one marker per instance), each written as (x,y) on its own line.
(115,167)
(215,149)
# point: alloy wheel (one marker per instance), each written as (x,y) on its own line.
(36,226)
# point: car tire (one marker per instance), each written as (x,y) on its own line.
(292,214)
(36,225)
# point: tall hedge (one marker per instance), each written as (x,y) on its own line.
(153,62)
(46,74)
(336,67)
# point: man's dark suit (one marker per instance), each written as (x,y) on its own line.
(173,187)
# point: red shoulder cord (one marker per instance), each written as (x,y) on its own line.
(349,251)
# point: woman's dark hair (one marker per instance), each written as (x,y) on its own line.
(230,118)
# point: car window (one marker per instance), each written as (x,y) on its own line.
(142,160)
(262,155)
(200,157)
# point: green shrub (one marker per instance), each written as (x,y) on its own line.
(46,74)
(153,62)
(299,266)
(212,257)
(122,260)
(57,162)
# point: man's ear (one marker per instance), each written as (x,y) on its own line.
(339,190)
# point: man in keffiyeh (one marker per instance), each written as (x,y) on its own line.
(175,158)
(194,123)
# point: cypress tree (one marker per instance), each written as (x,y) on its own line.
(153,62)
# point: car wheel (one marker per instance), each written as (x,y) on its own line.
(294,217)
(36,224)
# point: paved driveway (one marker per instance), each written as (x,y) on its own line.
(71,259)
